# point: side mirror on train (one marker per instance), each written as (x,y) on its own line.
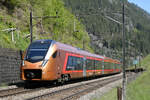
(54,54)
(22,53)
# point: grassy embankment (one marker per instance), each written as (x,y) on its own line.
(139,89)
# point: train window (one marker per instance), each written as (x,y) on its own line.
(118,66)
(93,66)
(34,55)
(37,51)
(110,65)
(79,63)
(107,65)
(98,65)
(90,64)
(74,63)
(39,45)
(54,54)
(114,65)
(70,63)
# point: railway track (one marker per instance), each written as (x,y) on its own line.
(75,91)
(16,91)
(7,92)
(65,92)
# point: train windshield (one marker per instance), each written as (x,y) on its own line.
(37,51)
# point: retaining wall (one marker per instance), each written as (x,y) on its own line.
(10,61)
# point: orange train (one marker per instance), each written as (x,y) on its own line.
(48,60)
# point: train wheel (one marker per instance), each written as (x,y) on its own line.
(64,78)
(61,81)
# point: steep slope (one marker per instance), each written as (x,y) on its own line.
(15,14)
(107,34)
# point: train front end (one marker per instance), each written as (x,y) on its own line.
(36,63)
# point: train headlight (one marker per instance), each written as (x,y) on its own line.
(44,63)
(30,75)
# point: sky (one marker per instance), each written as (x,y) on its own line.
(144,4)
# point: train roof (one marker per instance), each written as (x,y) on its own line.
(72,49)
(69,48)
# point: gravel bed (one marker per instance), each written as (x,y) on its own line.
(133,77)
(44,91)
(100,92)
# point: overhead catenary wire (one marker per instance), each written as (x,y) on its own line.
(36,17)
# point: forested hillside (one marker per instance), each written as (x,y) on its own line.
(77,22)
(105,33)
(16,14)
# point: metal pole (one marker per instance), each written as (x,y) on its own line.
(129,54)
(135,57)
(31,26)
(123,44)
(140,59)
(12,36)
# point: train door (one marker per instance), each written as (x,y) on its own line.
(114,69)
(94,64)
(84,67)
(103,67)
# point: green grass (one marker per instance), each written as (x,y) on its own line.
(15,13)
(146,63)
(138,89)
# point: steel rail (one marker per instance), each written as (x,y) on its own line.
(16,91)
(69,88)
